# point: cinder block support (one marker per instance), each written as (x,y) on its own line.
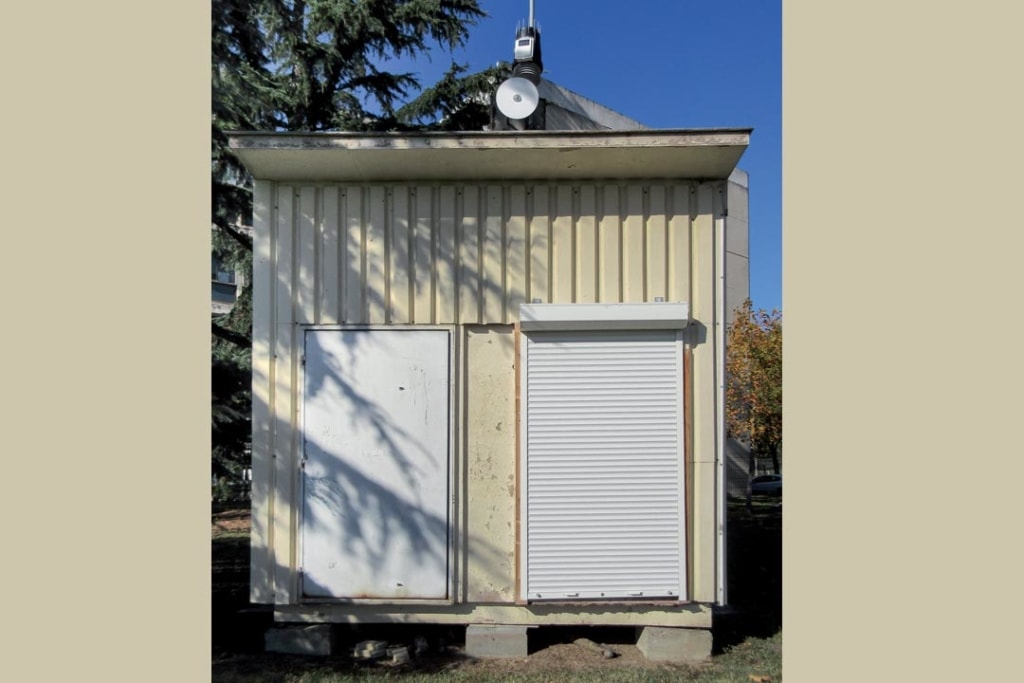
(661,644)
(317,639)
(496,640)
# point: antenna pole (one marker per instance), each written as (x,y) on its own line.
(531,14)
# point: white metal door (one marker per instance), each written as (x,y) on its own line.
(603,501)
(375,512)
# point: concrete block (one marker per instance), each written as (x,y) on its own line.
(661,644)
(496,640)
(316,639)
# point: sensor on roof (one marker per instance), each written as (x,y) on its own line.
(527,61)
(524,48)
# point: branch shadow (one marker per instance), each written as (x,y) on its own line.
(372,490)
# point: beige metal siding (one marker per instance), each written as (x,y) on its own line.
(489,392)
(261,546)
(283,398)
(703,517)
(443,254)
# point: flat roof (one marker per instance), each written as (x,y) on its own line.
(706,153)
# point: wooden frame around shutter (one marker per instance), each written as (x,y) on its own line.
(520,599)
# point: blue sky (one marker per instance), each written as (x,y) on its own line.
(675,64)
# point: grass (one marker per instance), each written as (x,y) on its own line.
(748,636)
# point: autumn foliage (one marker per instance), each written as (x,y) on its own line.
(753,373)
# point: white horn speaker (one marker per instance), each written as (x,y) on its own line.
(517,98)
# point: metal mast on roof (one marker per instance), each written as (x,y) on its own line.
(517,98)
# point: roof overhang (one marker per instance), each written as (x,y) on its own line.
(535,155)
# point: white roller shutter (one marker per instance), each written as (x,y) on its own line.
(603,501)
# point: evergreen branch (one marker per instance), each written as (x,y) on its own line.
(236,338)
(240,237)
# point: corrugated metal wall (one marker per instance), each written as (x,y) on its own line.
(449,254)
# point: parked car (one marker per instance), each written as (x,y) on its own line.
(766,485)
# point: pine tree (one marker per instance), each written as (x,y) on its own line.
(312,65)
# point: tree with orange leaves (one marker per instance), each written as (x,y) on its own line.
(753,375)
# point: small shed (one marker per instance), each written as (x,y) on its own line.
(488,378)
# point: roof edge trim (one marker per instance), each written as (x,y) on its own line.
(492,139)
